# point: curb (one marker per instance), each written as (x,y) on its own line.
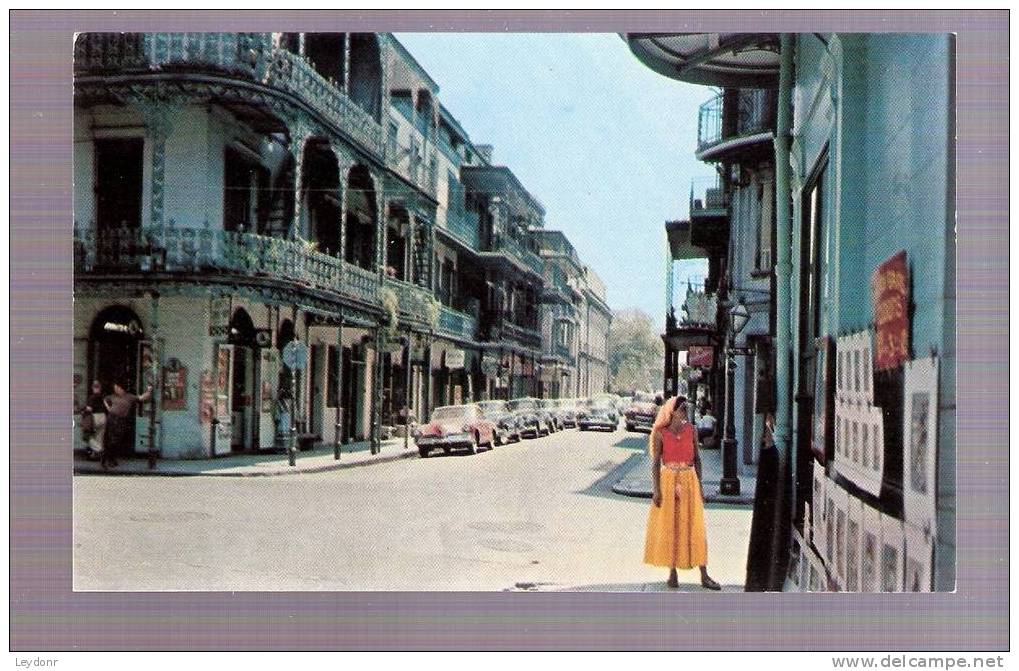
(286,470)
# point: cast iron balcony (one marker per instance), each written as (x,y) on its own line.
(249,57)
(735,122)
(192,251)
(457,324)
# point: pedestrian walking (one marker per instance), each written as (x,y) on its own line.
(120,413)
(93,420)
(676,537)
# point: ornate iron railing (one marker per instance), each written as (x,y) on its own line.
(171,248)
(707,195)
(457,324)
(709,122)
(297,76)
(757,110)
(236,53)
(249,55)
(522,334)
(521,253)
(413,300)
(463,225)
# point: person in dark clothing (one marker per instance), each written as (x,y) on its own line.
(120,407)
(93,420)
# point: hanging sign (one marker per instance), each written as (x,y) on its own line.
(890,296)
(175,384)
(700,356)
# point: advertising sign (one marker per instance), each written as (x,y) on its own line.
(175,384)
(700,356)
(890,295)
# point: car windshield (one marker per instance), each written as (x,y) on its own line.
(599,404)
(523,404)
(451,412)
(492,407)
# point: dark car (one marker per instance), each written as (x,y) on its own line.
(507,425)
(598,413)
(640,416)
(534,422)
(455,426)
(554,411)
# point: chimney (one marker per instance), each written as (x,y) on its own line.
(485,151)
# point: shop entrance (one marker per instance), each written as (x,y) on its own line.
(242,384)
(113,340)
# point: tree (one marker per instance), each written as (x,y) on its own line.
(635,351)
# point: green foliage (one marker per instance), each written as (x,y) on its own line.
(390,312)
(432,311)
(636,352)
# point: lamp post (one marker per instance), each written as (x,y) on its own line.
(738,318)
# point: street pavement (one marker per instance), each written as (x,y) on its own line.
(538,515)
(636,480)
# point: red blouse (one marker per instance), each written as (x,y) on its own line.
(678,447)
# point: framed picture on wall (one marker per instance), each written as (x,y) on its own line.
(892,554)
(822,439)
(920,430)
(854,537)
(870,549)
(919,557)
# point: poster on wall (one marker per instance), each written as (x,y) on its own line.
(919,559)
(824,390)
(854,377)
(892,554)
(220,311)
(870,549)
(207,397)
(175,385)
(841,499)
(817,509)
(854,536)
(919,431)
(860,455)
(890,298)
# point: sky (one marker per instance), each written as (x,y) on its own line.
(606,144)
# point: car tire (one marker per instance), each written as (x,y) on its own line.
(445,450)
(630,427)
(423,451)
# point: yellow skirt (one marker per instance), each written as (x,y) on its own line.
(675,530)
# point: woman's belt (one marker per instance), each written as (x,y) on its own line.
(676,465)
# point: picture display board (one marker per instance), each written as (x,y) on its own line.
(920,432)
(859,424)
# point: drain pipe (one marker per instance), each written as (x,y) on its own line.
(781,527)
(770,532)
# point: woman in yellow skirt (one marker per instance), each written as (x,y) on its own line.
(675,526)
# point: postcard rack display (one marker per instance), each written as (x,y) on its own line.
(846,543)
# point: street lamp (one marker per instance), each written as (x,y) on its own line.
(738,318)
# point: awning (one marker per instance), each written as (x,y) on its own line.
(732,60)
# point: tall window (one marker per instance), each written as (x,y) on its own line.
(118,185)
(765,226)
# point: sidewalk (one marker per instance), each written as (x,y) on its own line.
(637,479)
(317,460)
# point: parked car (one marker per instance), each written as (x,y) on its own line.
(507,426)
(554,411)
(640,416)
(569,407)
(534,422)
(455,426)
(611,401)
(598,413)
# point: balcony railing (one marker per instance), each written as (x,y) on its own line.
(755,113)
(177,249)
(296,75)
(457,324)
(518,251)
(707,197)
(235,53)
(709,122)
(247,55)
(464,226)
(413,300)
(522,334)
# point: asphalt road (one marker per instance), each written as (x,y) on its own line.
(535,515)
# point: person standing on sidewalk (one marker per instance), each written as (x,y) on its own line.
(94,419)
(120,406)
(676,537)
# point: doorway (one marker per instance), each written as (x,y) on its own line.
(243,383)
(113,342)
